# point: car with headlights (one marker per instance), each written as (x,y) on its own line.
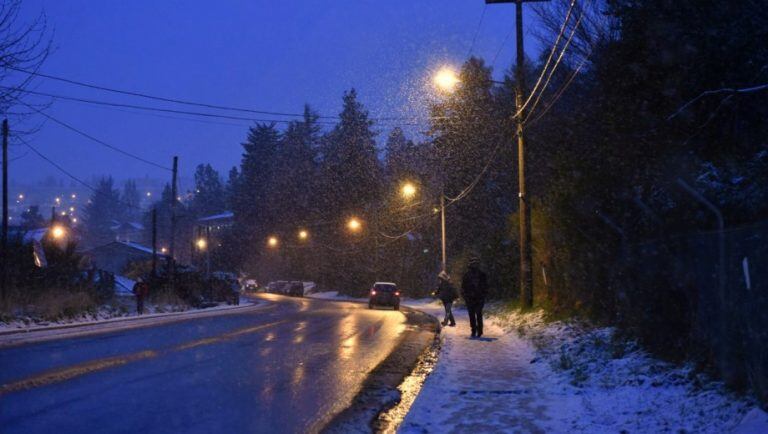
(384,294)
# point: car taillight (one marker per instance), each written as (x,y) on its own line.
(397,293)
(373,292)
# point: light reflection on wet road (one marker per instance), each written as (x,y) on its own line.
(283,369)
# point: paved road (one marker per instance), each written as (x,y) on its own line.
(286,367)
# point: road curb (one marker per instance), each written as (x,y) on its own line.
(381,392)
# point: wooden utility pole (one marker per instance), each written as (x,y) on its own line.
(154,242)
(172,246)
(524,210)
(4,277)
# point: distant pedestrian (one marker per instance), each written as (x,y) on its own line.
(447,293)
(141,291)
(474,289)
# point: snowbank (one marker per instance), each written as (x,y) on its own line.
(123,308)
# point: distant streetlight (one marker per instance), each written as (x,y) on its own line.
(149,194)
(21,197)
(272,241)
(201,243)
(408,190)
(163,250)
(58,232)
(303,234)
(446,79)
(354,224)
(73,196)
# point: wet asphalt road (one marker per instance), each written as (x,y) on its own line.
(286,367)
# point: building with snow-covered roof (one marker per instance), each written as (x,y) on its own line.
(117,256)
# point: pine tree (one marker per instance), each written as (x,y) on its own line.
(131,200)
(102,213)
(209,195)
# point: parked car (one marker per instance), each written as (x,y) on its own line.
(277,287)
(384,294)
(295,289)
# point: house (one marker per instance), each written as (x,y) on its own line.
(211,227)
(128,231)
(116,256)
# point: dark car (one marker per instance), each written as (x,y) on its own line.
(384,294)
(295,289)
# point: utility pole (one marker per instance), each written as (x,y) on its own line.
(172,246)
(154,242)
(524,210)
(5,211)
(442,229)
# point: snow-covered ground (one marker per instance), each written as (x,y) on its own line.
(527,375)
(333,295)
(123,308)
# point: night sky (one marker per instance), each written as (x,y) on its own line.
(265,55)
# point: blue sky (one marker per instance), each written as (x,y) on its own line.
(267,55)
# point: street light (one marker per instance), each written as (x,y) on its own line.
(58,232)
(201,243)
(354,224)
(408,190)
(272,242)
(303,234)
(446,79)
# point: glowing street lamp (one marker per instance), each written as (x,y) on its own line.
(58,232)
(272,241)
(201,243)
(354,224)
(303,234)
(163,250)
(446,79)
(408,190)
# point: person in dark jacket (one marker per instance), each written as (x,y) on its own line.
(474,289)
(447,294)
(141,291)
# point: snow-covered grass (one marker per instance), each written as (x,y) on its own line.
(121,307)
(531,375)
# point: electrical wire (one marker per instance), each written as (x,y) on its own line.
(477,31)
(558,94)
(94,139)
(477,179)
(188,102)
(71,176)
(557,63)
(549,59)
(154,97)
(156,109)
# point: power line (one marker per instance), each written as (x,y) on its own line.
(477,31)
(155,109)
(156,98)
(557,63)
(558,94)
(71,176)
(501,48)
(90,137)
(186,102)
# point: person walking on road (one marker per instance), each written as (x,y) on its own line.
(141,291)
(474,289)
(447,294)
